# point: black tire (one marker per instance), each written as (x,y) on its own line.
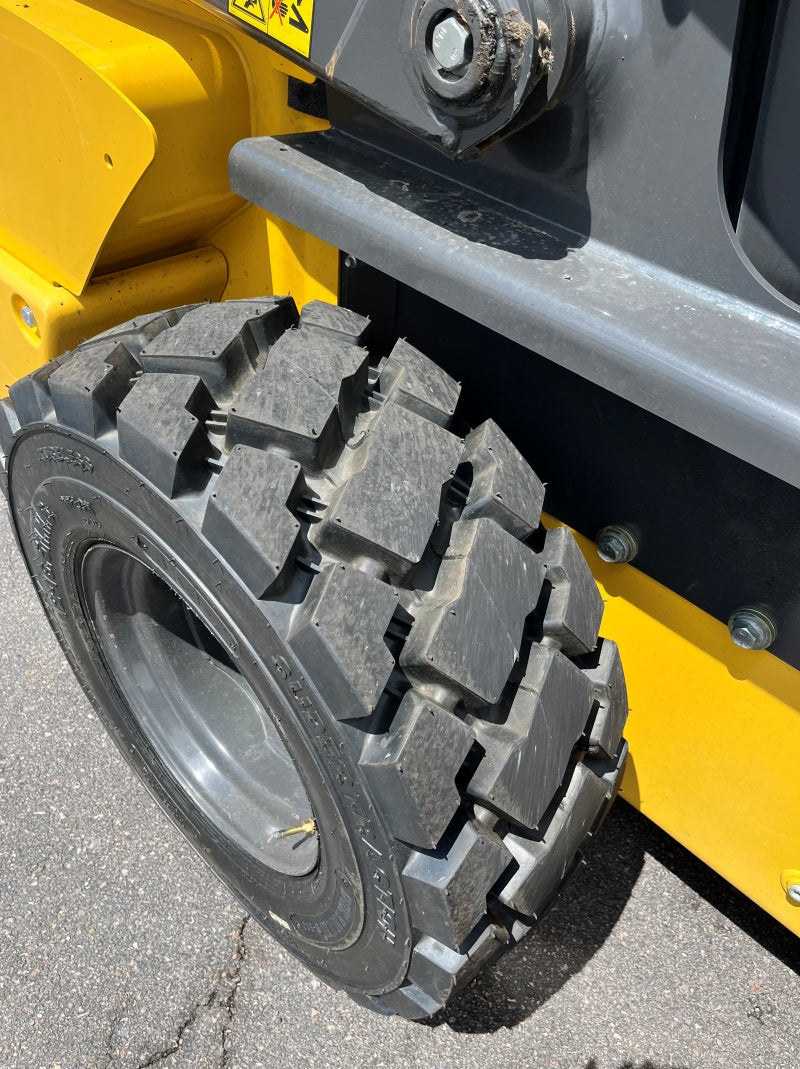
(227,508)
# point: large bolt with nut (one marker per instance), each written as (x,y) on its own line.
(752,629)
(451,43)
(617,544)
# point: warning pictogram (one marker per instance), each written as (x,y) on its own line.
(286,21)
(251,11)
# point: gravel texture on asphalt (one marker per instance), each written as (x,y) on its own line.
(119,949)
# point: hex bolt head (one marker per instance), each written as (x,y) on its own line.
(752,629)
(451,43)
(793,891)
(27,316)
(617,544)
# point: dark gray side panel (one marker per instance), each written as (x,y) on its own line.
(723,369)
(769,223)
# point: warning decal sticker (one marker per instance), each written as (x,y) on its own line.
(286,21)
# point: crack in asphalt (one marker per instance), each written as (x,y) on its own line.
(112,1031)
(230,1002)
(221,997)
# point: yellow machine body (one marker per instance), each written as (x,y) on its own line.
(116,162)
(115,201)
(714,733)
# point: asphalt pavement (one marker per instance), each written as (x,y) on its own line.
(119,948)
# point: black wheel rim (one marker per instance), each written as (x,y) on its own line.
(198,714)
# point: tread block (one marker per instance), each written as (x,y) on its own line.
(504,487)
(575,607)
(334,320)
(9,426)
(338,366)
(31,396)
(291,412)
(248,518)
(611,771)
(88,388)
(303,400)
(487,585)
(161,430)
(439,971)
(408,1001)
(413,381)
(434,968)
(340,627)
(527,755)
(447,888)
(545,862)
(413,767)
(388,510)
(219,343)
(147,326)
(608,683)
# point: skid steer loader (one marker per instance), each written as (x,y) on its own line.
(293,293)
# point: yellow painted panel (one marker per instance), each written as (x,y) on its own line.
(75,147)
(714,735)
(61,320)
(301,264)
(192,85)
(242,241)
(285,66)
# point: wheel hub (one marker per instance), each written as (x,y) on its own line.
(198,713)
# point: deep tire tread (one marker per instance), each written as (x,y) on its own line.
(503,486)
(219,345)
(367,517)
(305,397)
(254,484)
(493,755)
(415,383)
(161,428)
(486,585)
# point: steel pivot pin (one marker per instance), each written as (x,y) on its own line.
(450,43)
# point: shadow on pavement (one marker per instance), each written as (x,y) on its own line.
(723,896)
(563,942)
(583,918)
(592,1064)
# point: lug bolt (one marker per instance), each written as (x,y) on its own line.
(27,316)
(752,629)
(793,891)
(617,544)
(451,43)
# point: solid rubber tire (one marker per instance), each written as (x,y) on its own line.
(427,653)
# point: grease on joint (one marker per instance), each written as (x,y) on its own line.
(517,32)
(516,29)
(545,51)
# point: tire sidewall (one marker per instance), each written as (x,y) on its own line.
(348,919)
